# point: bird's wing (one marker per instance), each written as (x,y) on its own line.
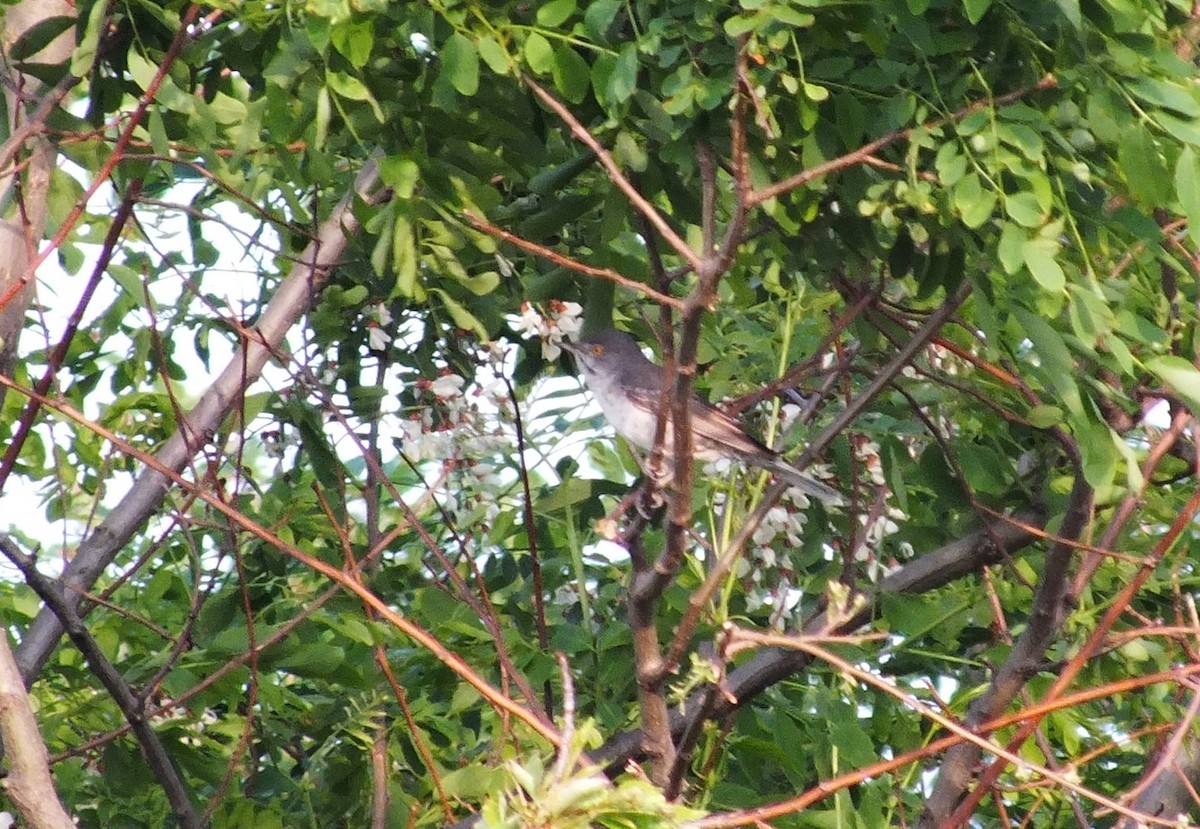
(715,425)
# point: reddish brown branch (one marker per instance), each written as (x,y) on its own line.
(571,264)
(118,153)
(109,248)
(411,629)
(614,173)
(865,153)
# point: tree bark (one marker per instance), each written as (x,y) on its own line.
(24,222)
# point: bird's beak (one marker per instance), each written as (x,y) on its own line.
(571,347)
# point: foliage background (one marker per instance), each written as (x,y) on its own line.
(954,241)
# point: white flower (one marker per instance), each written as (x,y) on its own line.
(497,352)
(420,43)
(767,556)
(789,412)
(565,322)
(569,327)
(717,468)
(567,309)
(798,497)
(531,323)
(381,314)
(764,533)
(377,338)
(504,265)
(413,442)
(568,318)
(447,386)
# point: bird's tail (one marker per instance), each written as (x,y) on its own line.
(805,482)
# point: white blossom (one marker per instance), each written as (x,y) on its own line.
(448,386)
(377,338)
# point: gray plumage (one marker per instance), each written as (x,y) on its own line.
(628,388)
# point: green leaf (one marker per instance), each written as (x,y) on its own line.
(1121,353)
(1057,368)
(460,61)
(741,24)
(555,13)
(404,249)
(493,55)
(951,165)
(401,174)
(38,36)
(1142,163)
(599,17)
(463,318)
(1134,480)
(572,75)
(973,202)
(350,87)
(1098,455)
(976,9)
(1187,189)
(623,81)
(539,53)
(1024,209)
(323,116)
(474,782)
(1024,138)
(1011,248)
(1044,416)
(1039,258)
(1163,93)
(354,40)
(1180,375)
(85,52)
(1186,131)
(310,659)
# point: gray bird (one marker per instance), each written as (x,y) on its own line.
(628,388)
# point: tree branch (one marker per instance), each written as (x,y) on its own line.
(614,173)
(146,495)
(131,707)
(866,153)
(1045,618)
(28,782)
(929,572)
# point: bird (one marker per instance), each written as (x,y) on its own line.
(628,388)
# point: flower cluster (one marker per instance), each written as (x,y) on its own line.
(562,323)
(878,523)
(465,427)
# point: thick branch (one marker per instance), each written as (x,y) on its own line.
(28,782)
(1171,789)
(936,569)
(145,497)
(1045,618)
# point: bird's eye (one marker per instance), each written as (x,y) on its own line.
(597,350)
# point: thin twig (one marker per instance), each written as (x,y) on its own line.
(615,175)
(867,151)
(571,264)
